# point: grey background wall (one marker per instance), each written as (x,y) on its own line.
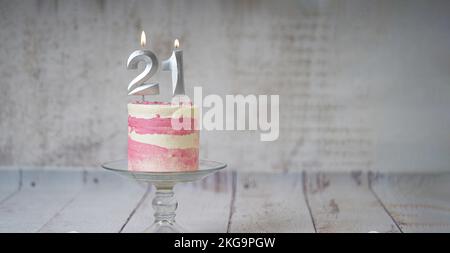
(363,85)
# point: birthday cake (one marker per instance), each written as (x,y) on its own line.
(162,137)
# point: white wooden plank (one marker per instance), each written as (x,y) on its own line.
(266,202)
(418,202)
(43,194)
(10,182)
(104,204)
(204,206)
(343,202)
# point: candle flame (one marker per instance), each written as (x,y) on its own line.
(143,39)
(176,43)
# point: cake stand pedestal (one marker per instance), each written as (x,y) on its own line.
(164,203)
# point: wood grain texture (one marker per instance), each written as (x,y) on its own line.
(344,203)
(10,182)
(418,202)
(43,194)
(204,206)
(266,202)
(104,204)
(90,200)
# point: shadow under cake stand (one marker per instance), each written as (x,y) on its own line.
(164,203)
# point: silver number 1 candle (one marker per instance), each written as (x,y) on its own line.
(175,65)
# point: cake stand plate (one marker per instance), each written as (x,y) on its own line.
(164,202)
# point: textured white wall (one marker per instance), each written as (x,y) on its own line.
(362,84)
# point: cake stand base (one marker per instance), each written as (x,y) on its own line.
(164,203)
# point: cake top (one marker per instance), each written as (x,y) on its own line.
(150,102)
(147,109)
(140,102)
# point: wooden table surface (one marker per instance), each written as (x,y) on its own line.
(93,200)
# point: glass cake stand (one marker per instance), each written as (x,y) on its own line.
(164,203)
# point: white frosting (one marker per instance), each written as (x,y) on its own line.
(167,141)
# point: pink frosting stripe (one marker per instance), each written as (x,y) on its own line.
(147,157)
(159,126)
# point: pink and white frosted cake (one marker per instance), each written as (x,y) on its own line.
(155,144)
